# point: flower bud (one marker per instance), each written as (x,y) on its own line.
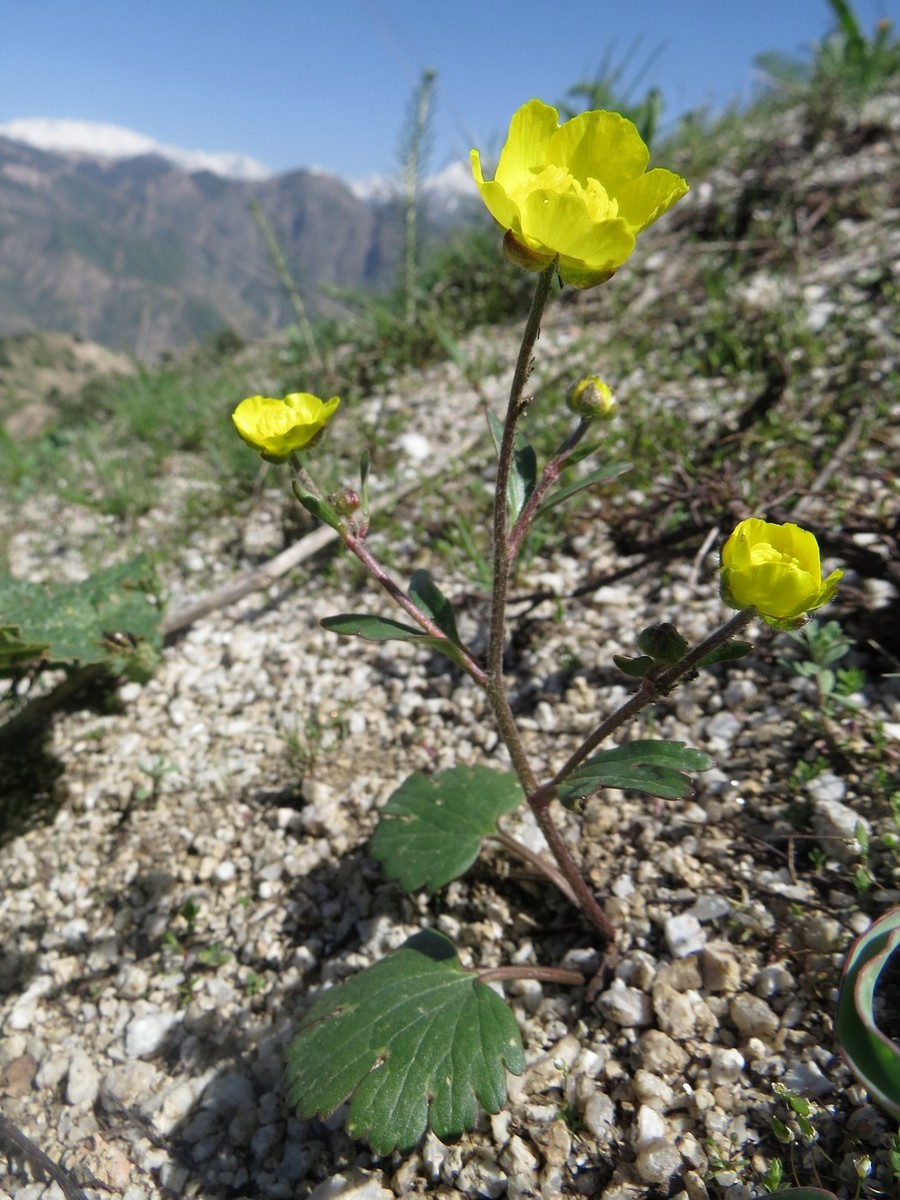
(346,502)
(592,399)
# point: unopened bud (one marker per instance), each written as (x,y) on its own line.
(346,502)
(592,399)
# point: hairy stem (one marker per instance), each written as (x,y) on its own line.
(551,974)
(650,690)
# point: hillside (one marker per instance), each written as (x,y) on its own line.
(144,256)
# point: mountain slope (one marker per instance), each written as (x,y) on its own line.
(143,255)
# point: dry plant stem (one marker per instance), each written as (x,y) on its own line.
(551,974)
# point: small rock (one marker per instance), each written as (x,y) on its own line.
(721,970)
(83,1081)
(652,1091)
(144,1035)
(648,1128)
(836,824)
(599,1115)
(684,935)
(725,1064)
(709,907)
(658,1161)
(627,1006)
(661,1055)
(752,1016)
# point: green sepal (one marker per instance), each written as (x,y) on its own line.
(872,1056)
(415,1041)
(431,829)
(318,507)
(426,594)
(652,767)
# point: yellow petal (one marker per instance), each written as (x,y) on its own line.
(525,151)
(600,145)
(644,200)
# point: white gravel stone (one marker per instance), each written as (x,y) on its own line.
(658,1161)
(726,1064)
(684,935)
(836,824)
(144,1035)
(83,1080)
(626,1005)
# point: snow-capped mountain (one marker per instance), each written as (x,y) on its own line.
(101,140)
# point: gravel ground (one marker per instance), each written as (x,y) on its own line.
(201,870)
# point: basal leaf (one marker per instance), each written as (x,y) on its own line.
(108,618)
(431,829)
(656,768)
(873,1057)
(415,1040)
(16,653)
(581,485)
(424,592)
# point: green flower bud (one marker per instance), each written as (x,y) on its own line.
(592,399)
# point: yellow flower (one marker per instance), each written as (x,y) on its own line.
(276,428)
(578,191)
(775,569)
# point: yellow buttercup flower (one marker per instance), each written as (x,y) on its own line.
(276,428)
(579,192)
(775,569)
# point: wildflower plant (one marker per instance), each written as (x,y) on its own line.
(418,1040)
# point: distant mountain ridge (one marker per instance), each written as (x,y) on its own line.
(142,254)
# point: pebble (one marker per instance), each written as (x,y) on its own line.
(144,1035)
(658,1161)
(684,935)
(836,824)
(752,1016)
(626,1005)
(83,1079)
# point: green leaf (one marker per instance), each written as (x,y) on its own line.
(373,629)
(495,425)
(872,1056)
(637,668)
(426,594)
(431,829)
(383,629)
(655,768)
(109,618)
(415,1040)
(726,652)
(522,476)
(16,653)
(580,485)
(663,643)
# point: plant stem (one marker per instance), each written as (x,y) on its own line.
(549,476)
(551,974)
(650,690)
(514,846)
(494,684)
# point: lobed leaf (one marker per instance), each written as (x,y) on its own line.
(431,829)
(415,1040)
(873,1057)
(655,768)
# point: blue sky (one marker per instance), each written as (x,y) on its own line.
(327,82)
